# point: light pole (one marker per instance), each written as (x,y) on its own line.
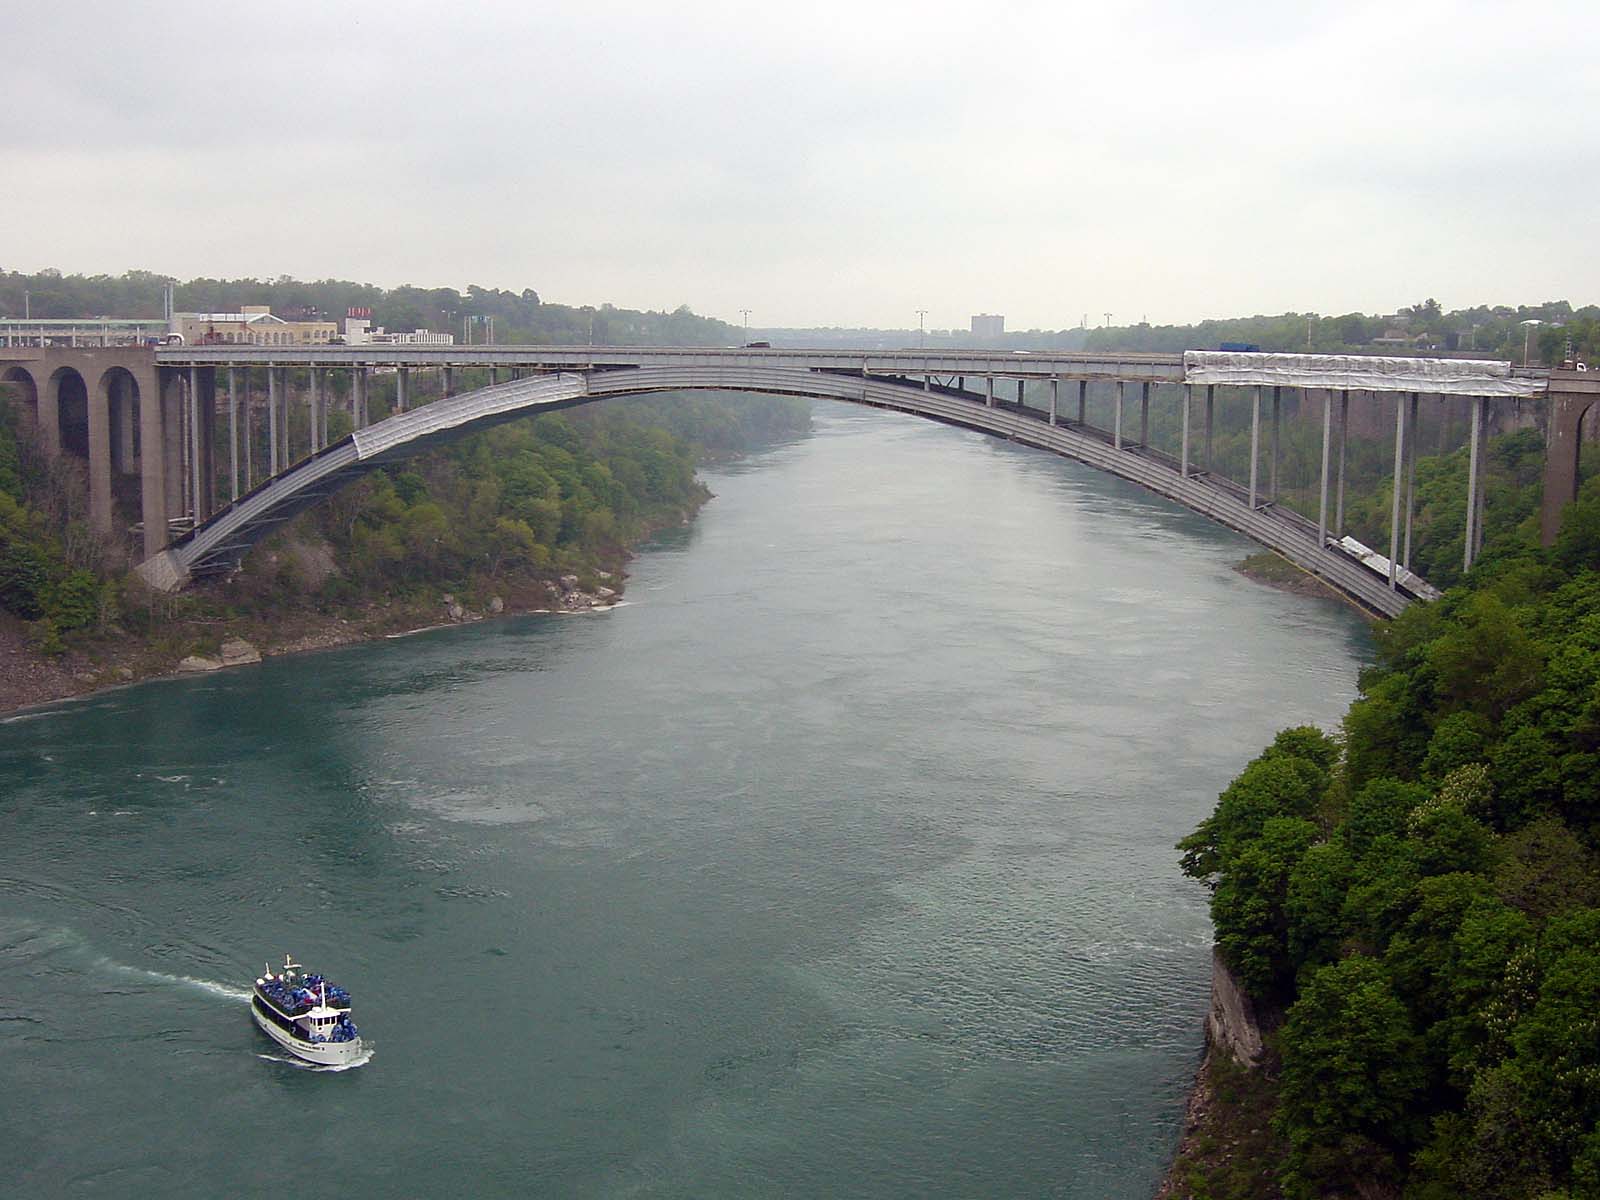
(922,337)
(746,313)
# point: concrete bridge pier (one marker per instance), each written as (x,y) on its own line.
(402,381)
(1083,402)
(1255,441)
(314,406)
(1572,395)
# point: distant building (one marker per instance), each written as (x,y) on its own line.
(252,325)
(358,331)
(988,325)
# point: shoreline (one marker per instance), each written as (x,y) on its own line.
(29,682)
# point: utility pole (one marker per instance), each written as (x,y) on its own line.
(922,337)
(746,313)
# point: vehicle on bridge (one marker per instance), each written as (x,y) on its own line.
(1408,582)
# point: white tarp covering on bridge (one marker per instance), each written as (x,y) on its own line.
(1358,372)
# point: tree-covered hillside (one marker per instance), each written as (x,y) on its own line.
(1420,897)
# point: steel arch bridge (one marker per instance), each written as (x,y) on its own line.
(218,544)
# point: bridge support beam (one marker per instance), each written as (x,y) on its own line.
(1116,421)
(1344,439)
(274,398)
(358,398)
(152,465)
(1469,538)
(1277,429)
(1211,408)
(249,435)
(314,406)
(233,435)
(1144,414)
(1571,397)
(1083,401)
(1183,456)
(1399,466)
(1255,443)
(446,383)
(402,382)
(170,445)
(1055,397)
(988,391)
(1327,440)
(1411,480)
(99,414)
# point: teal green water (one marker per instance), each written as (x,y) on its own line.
(837,863)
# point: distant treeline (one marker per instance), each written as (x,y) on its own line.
(519,317)
(1486,331)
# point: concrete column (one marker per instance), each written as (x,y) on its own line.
(927,380)
(1344,438)
(1475,431)
(358,398)
(1255,442)
(233,435)
(196,483)
(274,387)
(1183,457)
(1211,405)
(1083,402)
(49,395)
(98,394)
(1116,419)
(1327,440)
(1399,467)
(208,440)
(447,386)
(1021,384)
(249,436)
(988,391)
(1277,427)
(314,407)
(152,463)
(403,378)
(1055,398)
(171,447)
(1411,479)
(1144,414)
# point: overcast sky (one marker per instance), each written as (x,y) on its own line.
(821,163)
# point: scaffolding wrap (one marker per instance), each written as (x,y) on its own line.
(1358,373)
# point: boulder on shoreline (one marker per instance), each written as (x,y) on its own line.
(199,662)
(236,652)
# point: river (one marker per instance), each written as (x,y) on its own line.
(837,862)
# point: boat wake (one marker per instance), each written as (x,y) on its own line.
(301,1064)
(220,990)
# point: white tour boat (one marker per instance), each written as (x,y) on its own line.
(306,1015)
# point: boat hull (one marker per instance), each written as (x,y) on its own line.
(323,1054)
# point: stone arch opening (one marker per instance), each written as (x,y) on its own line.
(119,394)
(25,389)
(71,396)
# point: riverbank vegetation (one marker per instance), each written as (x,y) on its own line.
(1419,897)
(520,515)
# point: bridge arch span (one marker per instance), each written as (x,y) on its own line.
(220,543)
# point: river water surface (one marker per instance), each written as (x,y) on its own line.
(837,863)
